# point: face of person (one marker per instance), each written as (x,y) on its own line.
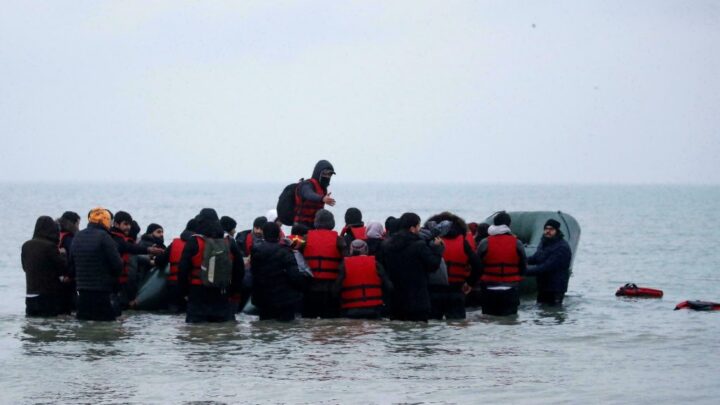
(415,229)
(124,227)
(549,232)
(158,233)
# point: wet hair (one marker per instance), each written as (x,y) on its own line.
(271,232)
(408,220)
(122,216)
(259,222)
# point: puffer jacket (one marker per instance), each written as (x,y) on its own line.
(96,260)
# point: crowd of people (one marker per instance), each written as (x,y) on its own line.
(403,270)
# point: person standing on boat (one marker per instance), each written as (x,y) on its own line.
(312,195)
(551,265)
(503,264)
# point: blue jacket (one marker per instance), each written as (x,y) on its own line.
(551,265)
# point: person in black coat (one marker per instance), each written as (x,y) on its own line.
(44,266)
(209,303)
(551,265)
(408,259)
(277,282)
(97,265)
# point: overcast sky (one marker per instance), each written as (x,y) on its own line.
(459,91)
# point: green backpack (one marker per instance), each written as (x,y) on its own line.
(216,269)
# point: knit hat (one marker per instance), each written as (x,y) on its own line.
(99,216)
(502,218)
(358,247)
(552,223)
(152,228)
(227,223)
(353,216)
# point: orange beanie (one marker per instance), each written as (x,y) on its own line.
(100,216)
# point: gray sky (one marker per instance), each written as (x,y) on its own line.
(460,91)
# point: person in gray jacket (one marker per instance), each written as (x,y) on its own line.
(97,265)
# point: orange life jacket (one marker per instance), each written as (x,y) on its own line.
(458,267)
(361,287)
(305,210)
(321,253)
(501,263)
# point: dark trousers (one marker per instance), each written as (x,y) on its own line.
(362,313)
(207,304)
(447,302)
(97,306)
(45,305)
(282,314)
(320,304)
(550,298)
(176,298)
(500,302)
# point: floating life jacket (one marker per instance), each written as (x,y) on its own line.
(699,305)
(457,261)
(361,287)
(176,249)
(321,253)
(632,290)
(501,263)
(305,210)
(125,274)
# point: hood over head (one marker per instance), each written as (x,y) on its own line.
(374,230)
(209,223)
(323,165)
(46,228)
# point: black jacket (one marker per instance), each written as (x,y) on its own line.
(276,279)
(551,265)
(408,259)
(185,266)
(41,260)
(95,258)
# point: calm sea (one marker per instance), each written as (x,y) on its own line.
(598,348)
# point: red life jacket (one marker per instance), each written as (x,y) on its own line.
(197,260)
(176,249)
(305,210)
(501,263)
(358,233)
(471,240)
(361,287)
(321,253)
(125,274)
(248,243)
(62,239)
(457,261)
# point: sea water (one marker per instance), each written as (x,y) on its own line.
(597,348)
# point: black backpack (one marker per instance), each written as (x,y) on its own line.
(286,203)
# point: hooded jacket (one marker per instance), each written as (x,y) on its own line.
(408,259)
(551,264)
(41,260)
(277,282)
(96,260)
(307,192)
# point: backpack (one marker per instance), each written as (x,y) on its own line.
(286,203)
(216,269)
